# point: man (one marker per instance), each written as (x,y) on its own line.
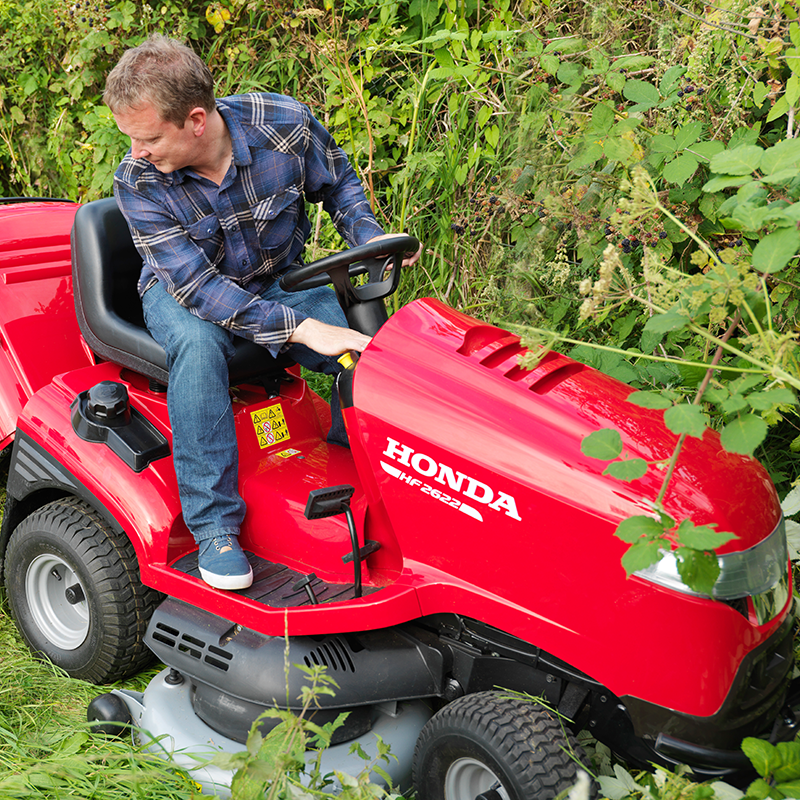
(213,192)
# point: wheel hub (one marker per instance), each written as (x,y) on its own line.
(57,601)
(467,778)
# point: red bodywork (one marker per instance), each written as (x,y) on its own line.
(467,469)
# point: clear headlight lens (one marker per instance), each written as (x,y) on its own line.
(758,574)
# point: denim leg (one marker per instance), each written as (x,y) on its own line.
(204,437)
(320,304)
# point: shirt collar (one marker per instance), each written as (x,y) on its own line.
(241,150)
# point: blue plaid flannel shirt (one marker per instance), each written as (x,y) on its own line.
(216,248)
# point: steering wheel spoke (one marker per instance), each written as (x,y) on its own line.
(380,260)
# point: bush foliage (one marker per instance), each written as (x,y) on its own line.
(618,179)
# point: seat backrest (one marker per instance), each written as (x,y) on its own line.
(105,273)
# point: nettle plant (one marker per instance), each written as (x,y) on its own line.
(725,312)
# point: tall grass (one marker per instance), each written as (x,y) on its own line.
(46,748)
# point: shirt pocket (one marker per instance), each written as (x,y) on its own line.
(275,217)
(206,233)
(205,228)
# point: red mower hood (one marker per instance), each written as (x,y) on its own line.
(452,396)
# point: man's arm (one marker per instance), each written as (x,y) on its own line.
(328,340)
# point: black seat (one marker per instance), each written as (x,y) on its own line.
(105,272)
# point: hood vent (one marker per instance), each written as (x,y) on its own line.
(499,351)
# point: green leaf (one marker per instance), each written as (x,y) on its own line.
(763,401)
(758,790)
(775,250)
(748,216)
(602,120)
(646,399)
(701,537)
(570,73)
(680,169)
(587,156)
(688,135)
(789,769)
(618,149)
(632,529)
(604,445)
(788,789)
(616,81)
(780,108)
(631,469)
(707,150)
(720,183)
(641,92)
(550,64)
(661,143)
(671,80)
(699,571)
(744,434)
(686,418)
(669,321)
(782,176)
(734,404)
(739,161)
(641,556)
(764,757)
(784,155)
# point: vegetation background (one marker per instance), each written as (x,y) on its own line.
(616,179)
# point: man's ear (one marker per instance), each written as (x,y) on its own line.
(197,119)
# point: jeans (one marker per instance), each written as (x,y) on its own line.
(199,404)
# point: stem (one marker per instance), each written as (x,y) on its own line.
(673,461)
(646,356)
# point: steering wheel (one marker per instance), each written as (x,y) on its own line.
(370,258)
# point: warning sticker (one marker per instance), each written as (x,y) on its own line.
(288,453)
(270,426)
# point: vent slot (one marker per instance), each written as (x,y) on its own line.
(332,654)
(192,651)
(167,629)
(218,652)
(558,375)
(508,352)
(215,662)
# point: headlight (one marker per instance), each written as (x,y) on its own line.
(755,581)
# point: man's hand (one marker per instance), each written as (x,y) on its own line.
(328,340)
(407,262)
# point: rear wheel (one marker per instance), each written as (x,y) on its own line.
(500,747)
(74,590)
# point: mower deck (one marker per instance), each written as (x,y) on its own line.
(277,586)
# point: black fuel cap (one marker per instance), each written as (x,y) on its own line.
(107,403)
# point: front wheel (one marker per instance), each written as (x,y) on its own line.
(497,746)
(74,590)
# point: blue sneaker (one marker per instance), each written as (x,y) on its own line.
(222,563)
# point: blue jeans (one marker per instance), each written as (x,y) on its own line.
(199,403)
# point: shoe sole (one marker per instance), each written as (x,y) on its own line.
(227,581)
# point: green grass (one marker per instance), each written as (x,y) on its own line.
(46,748)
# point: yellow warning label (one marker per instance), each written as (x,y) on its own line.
(288,453)
(270,426)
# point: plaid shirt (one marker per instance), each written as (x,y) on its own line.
(215,248)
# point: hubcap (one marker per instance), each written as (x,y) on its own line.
(467,778)
(65,624)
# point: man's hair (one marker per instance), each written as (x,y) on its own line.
(165,73)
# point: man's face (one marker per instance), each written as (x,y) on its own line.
(166,146)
